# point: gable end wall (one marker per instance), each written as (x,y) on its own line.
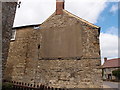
(23,64)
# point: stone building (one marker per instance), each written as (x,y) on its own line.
(7,12)
(109,66)
(61,52)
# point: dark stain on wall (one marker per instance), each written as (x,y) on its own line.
(61,42)
(8,14)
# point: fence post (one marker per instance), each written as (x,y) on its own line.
(41,87)
(38,87)
(52,88)
(45,87)
(28,86)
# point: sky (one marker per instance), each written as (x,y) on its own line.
(103,13)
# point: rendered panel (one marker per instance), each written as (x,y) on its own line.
(61,42)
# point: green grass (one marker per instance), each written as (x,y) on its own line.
(6,86)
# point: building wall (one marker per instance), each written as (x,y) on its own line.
(8,14)
(107,72)
(90,35)
(24,65)
(62,43)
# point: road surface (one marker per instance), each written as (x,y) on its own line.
(107,84)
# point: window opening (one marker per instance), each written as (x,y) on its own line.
(13,35)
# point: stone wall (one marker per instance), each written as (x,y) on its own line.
(90,35)
(23,63)
(8,14)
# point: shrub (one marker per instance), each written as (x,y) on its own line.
(6,86)
(116,73)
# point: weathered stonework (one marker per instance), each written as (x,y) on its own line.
(24,64)
(8,13)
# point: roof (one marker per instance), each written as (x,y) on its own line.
(34,25)
(81,19)
(68,13)
(78,18)
(112,63)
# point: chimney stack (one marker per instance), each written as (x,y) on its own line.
(59,7)
(105,59)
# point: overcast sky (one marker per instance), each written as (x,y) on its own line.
(98,12)
(36,11)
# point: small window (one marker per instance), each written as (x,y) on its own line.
(36,27)
(13,35)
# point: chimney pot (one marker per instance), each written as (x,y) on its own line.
(105,59)
(59,7)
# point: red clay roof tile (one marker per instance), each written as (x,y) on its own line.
(112,63)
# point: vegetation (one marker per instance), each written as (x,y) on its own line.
(6,86)
(116,73)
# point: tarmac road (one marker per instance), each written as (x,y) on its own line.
(107,84)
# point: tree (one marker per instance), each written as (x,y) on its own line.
(116,73)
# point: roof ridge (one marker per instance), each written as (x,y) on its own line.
(111,63)
(81,19)
(66,13)
(24,26)
(114,59)
(48,18)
